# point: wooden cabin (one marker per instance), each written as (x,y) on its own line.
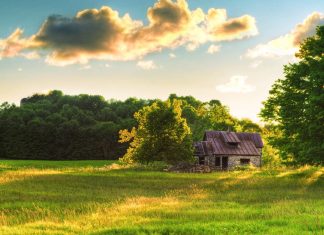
(224,150)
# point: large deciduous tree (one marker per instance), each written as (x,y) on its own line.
(162,135)
(296,105)
(202,116)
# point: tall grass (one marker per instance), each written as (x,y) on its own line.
(101,197)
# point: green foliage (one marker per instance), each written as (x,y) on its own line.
(296,105)
(162,134)
(270,155)
(246,125)
(57,126)
(202,116)
(247,167)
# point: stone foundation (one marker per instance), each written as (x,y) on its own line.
(233,161)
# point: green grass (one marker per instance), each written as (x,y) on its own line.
(39,164)
(101,197)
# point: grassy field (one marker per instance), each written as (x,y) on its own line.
(101,197)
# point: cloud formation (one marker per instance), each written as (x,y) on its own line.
(288,44)
(256,64)
(236,84)
(14,44)
(222,29)
(212,49)
(104,34)
(172,55)
(146,64)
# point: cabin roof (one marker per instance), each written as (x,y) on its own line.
(229,143)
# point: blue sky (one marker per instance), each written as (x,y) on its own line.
(239,71)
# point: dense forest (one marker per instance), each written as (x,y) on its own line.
(57,126)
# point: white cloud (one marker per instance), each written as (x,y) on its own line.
(31,55)
(171,55)
(288,44)
(256,64)
(19,69)
(85,67)
(192,46)
(212,49)
(276,48)
(146,64)
(107,65)
(236,84)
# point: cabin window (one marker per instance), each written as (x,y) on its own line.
(217,161)
(201,160)
(233,144)
(245,161)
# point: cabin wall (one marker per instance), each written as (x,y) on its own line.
(233,161)
(210,161)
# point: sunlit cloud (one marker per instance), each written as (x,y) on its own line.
(146,65)
(104,34)
(31,55)
(236,84)
(288,44)
(213,49)
(14,44)
(222,29)
(172,55)
(19,69)
(192,46)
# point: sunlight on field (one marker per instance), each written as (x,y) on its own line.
(287,173)
(315,176)
(114,166)
(115,199)
(11,176)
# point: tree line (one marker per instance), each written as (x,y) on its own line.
(56,126)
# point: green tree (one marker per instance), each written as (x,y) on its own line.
(246,125)
(107,136)
(296,105)
(58,126)
(162,135)
(202,116)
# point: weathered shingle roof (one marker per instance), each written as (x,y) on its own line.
(229,143)
(230,137)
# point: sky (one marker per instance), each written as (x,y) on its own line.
(228,50)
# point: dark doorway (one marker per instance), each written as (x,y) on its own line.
(224,163)
(217,162)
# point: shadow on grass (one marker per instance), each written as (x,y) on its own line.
(74,188)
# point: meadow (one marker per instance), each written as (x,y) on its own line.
(104,197)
